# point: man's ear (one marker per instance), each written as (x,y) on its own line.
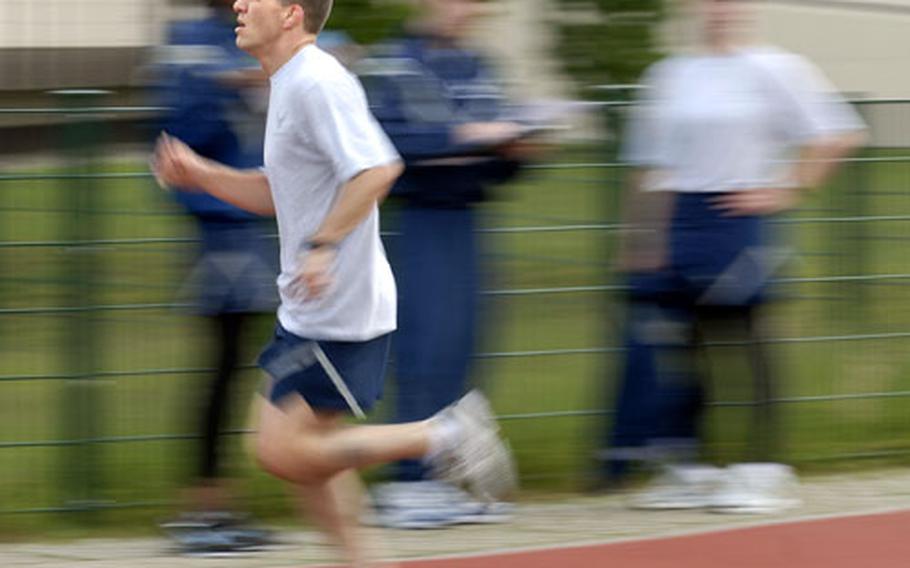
(294,17)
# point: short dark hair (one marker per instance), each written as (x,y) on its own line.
(315,13)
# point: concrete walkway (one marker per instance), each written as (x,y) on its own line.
(538,524)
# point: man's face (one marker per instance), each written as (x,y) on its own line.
(724,17)
(259,23)
(453,17)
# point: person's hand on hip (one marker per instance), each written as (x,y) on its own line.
(763,201)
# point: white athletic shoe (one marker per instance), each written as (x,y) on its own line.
(757,488)
(481,461)
(470,511)
(431,505)
(680,487)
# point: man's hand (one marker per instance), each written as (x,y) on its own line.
(765,201)
(176,165)
(508,139)
(487,133)
(525,149)
(314,275)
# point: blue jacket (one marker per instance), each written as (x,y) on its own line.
(420,90)
(204,108)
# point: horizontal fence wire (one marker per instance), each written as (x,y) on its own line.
(850,280)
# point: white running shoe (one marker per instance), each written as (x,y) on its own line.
(416,505)
(431,504)
(470,511)
(757,488)
(680,487)
(481,462)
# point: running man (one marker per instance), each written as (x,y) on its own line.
(327,166)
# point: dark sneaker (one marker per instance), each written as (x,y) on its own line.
(215,534)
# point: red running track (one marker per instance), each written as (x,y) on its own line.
(862,541)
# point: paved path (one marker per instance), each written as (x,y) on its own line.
(539,524)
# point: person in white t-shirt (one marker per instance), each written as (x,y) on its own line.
(723,139)
(327,165)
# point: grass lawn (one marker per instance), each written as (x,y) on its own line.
(133,397)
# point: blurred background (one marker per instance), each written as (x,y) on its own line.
(98,350)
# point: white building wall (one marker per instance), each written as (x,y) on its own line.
(863,45)
(862,51)
(79,23)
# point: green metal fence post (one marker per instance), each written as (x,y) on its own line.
(859,190)
(80,396)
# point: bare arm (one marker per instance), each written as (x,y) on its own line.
(817,162)
(247,189)
(176,164)
(645,220)
(356,200)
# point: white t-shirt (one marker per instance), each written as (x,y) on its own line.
(733,121)
(319,135)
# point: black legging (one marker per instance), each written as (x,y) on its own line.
(227,328)
(744,325)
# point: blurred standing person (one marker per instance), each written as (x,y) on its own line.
(214,95)
(646,428)
(327,165)
(445,112)
(725,138)
(641,433)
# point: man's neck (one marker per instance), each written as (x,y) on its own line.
(283,50)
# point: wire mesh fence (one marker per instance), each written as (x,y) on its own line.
(102,358)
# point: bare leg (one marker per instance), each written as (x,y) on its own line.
(319,454)
(298,445)
(337,505)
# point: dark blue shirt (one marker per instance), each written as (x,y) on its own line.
(421,89)
(204,109)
